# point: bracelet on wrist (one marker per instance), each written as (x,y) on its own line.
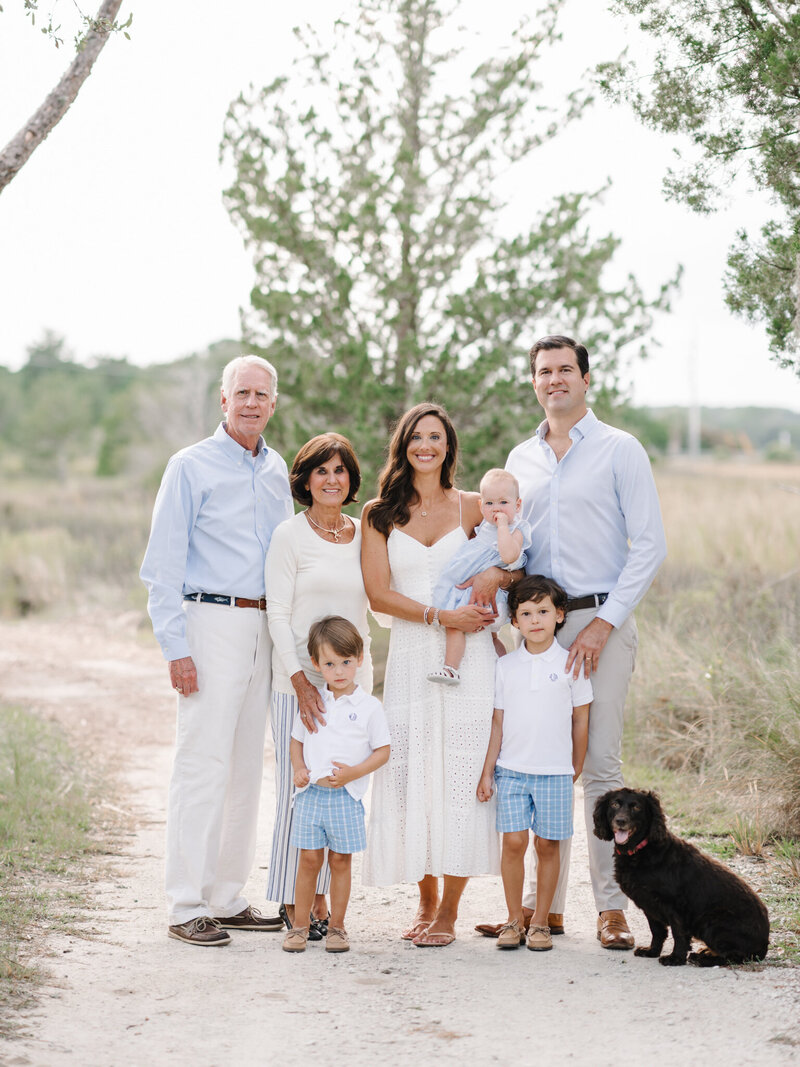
(436,617)
(425,618)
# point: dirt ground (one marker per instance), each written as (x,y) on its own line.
(129,995)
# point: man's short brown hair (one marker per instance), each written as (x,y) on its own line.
(339,634)
(555,341)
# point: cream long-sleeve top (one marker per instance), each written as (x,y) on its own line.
(306,579)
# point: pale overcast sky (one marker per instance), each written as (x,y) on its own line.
(114,234)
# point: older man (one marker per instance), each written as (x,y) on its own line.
(588,491)
(217,507)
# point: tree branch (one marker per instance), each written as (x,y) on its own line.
(20,148)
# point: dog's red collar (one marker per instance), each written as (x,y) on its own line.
(630,851)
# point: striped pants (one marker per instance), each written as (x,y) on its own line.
(283,856)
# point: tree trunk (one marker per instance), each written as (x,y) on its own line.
(19,149)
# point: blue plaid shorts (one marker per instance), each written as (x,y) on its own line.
(538,802)
(328,817)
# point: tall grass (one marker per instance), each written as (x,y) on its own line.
(44,833)
(70,543)
(716,693)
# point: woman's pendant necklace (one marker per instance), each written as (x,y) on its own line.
(333,532)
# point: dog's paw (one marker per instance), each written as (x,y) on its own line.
(650,953)
(672,961)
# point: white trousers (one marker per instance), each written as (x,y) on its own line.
(602,769)
(212,810)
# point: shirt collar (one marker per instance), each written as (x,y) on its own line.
(552,652)
(356,697)
(580,430)
(233,448)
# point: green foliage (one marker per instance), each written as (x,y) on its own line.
(88,24)
(364,190)
(727,78)
(60,418)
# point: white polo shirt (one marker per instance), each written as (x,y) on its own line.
(537,696)
(355,726)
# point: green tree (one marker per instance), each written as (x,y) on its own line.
(365,189)
(727,76)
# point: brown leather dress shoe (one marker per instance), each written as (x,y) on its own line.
(612,930)
(555,921)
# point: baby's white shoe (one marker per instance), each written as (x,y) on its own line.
(445,676)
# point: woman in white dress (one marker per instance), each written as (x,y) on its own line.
(425,819)
(313,569)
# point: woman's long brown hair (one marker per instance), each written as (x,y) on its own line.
(396,492)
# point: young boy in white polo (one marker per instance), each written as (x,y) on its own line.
(537,746)
(330,776)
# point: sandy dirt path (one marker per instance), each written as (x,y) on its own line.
(130,996)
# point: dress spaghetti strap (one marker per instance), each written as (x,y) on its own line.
(459,506)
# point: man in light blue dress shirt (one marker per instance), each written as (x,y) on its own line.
(217,507)
(588,492)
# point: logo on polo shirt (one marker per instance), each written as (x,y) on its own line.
(352,716)
(553,677)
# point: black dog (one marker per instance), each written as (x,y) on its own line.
(679,888)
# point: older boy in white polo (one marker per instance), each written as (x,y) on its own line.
(536,750)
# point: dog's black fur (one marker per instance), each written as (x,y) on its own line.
(679,888)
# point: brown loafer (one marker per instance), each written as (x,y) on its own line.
(202,931)
(612,930)
(556,922)
(250,919)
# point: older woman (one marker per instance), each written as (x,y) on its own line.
(426,821)
(313,569)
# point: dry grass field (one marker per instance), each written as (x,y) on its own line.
(716,694)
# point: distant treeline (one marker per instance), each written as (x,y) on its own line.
(60,418)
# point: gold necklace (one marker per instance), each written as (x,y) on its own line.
(333,532)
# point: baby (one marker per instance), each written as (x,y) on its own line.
(499,541)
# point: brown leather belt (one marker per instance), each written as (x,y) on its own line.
(228,601)
(593,600)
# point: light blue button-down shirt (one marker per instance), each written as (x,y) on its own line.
(212,524)
(595,517)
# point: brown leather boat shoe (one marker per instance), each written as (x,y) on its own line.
(612,930)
